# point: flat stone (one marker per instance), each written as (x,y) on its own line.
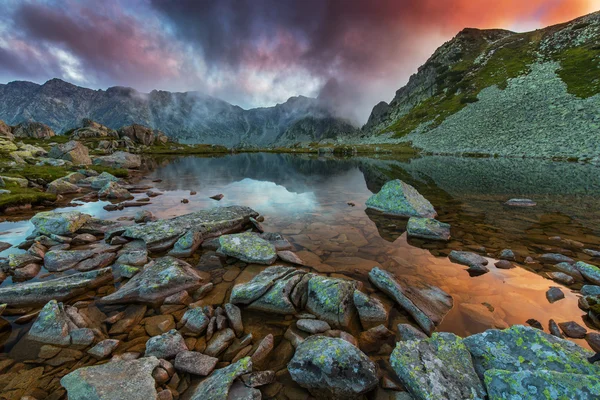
(217,385)
(555,258)
(312,325)
(219,342)
(165,277)
(258,378)
(439,367)
(195,321)
(51,325)
(59,223)
(561,277)
(246,293)
(290,257)
(248,247)
(166,346)
(234,315)
(239,391)
(263,349)
(61,260)
(504,264)
(131,316)
(475,262)
(572,329)
(159,324)
(520,203)
(103,348)
(427,228)
(589,272)
(554,329)
(409,332)
(119,379)
(554,294)
(570,270)
(399,198)
(195,363)
(592,253)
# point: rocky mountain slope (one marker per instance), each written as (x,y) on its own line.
(500,92)
(190,117)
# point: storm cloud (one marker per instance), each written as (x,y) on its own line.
(353,53)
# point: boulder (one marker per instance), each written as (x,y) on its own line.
(193,362)
(112,190)
(331,299)
(217,385)
(100,181)
(277,298)
(61,260)
(72,151)
(119,379)
(138,134)
(35,130)
(234,316)
(371,311)
(166,276)
(195,321)
(312,326)
(332,368)
(425,303)
(165,346)
(399,198)
(589,272)
(439,367)
(428,228)
(119,159)
(246,293)
(92,129)
(5,131)
(51,325)
(475,262)
(248,247)
(59,223)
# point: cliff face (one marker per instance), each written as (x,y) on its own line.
(499,92)
(190,117)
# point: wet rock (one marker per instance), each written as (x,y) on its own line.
(375,338)
(520,203)
(590,290)
(165,277)
(439,367)
(195,363)
(166,346)
(425,303)
(331,300)
(100,181)
(195,321)
(535,324)
(60,186)
(541,384)
(312,325)
(290,257)
(248,247)
(277,298)
(589,272)
(504,264)
(187,244)
(60,289)
(26,272)
(119,379)
(217,385)
(428,228)
(51,325)
(593,340)
(555,258)
(143,216)
(162,234)
(554,294)
(554,329)
(475,262)
(72,151)
(133,253)
(561,277)
(371,311)
(592,253)
(332,368)
(83,238)
(409,332)
(103,348)
(507,254)
(219,342)
(399,198)
(97,261)
(277,240)
(158,324)
(61,260)
(570,270)
(16,261)
(217,197)
(4,246)
(246,293)
(572,329)
(59,223)
(112,190)
(234,315)
(512,350)
(119,159)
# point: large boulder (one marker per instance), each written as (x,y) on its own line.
(100,181)
(166,276)
(217,385)
(62,186)
(34,130)
(399,198)
(138,133)
(72,151)
(59,223)
(248,247)
(439,367)
(119,159)
(5,131)
(63,288)
(92,129)
(332,368)
(427,304)
(116,380)
(112,190)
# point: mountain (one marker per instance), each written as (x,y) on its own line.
(190,117)
(500,92)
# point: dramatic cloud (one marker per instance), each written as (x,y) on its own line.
(353,53)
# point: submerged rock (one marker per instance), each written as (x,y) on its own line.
(59,223)
(439,367)
(554,258)
(119,379)
(248,247)
(216,386)
(332,368)
(428,228)
(399,198)
(166,276)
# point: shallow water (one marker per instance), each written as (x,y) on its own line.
(306,199)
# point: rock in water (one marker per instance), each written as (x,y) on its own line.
(248,247)
(120,159)
(72,151)
(399,198)
(425,303)
(216,386)
(541,384)
(331,299)
(475,262)
(439,367)
(116,380)
(165,277)
(332,368)
(428,228)
(246,293)
(589,272)
(59,223)
(371,311)
(113,190)
(52,325)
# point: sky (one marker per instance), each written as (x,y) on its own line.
(252,53)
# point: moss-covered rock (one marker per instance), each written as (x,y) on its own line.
(246,293)
(51,325)
(216,386)
(61,186)
(277,298)
(119,159)
(248,247)
(113,190)
(399,198)
(589,272)
(59,223)
(428,228)
(72,151)
(331,299)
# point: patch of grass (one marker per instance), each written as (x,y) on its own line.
(171,148)
(118,172)
(580,70)
(46,172)
(23,196)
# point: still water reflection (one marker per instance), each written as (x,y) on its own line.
(307,199)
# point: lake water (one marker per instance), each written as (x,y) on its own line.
(306,198)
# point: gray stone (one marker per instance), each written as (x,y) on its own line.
(504,264)
(72,151)
(219,342)
(592,253)
(100,181)
(116,380)
(475,262)
(555,258)
(195,321)
(234,315)
(277,298)
(312,325)
(590,290)
(248,247)
(290,257)
(572,329)
(82,337)
(119,159)
(589,272)
(166,346)
(428,228)
(239,391)
(399,198)
(258,378)
(61,260)
(143,216)
(165,277)
(520,203)
(112,190)
(103,348)
(554,294)
(554,329)
(425,303)
(61,186)
(60,289)
(507,254)
(570,270)
(331,300)
(332,368)
(51,325)
(216,386)
(59,223)
(371,311)
(246,293)
(439,367)
(561,277)
(195,363)
(409,332)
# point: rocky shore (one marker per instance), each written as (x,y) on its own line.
(135,309)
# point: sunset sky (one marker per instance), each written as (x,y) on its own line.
(251,52)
